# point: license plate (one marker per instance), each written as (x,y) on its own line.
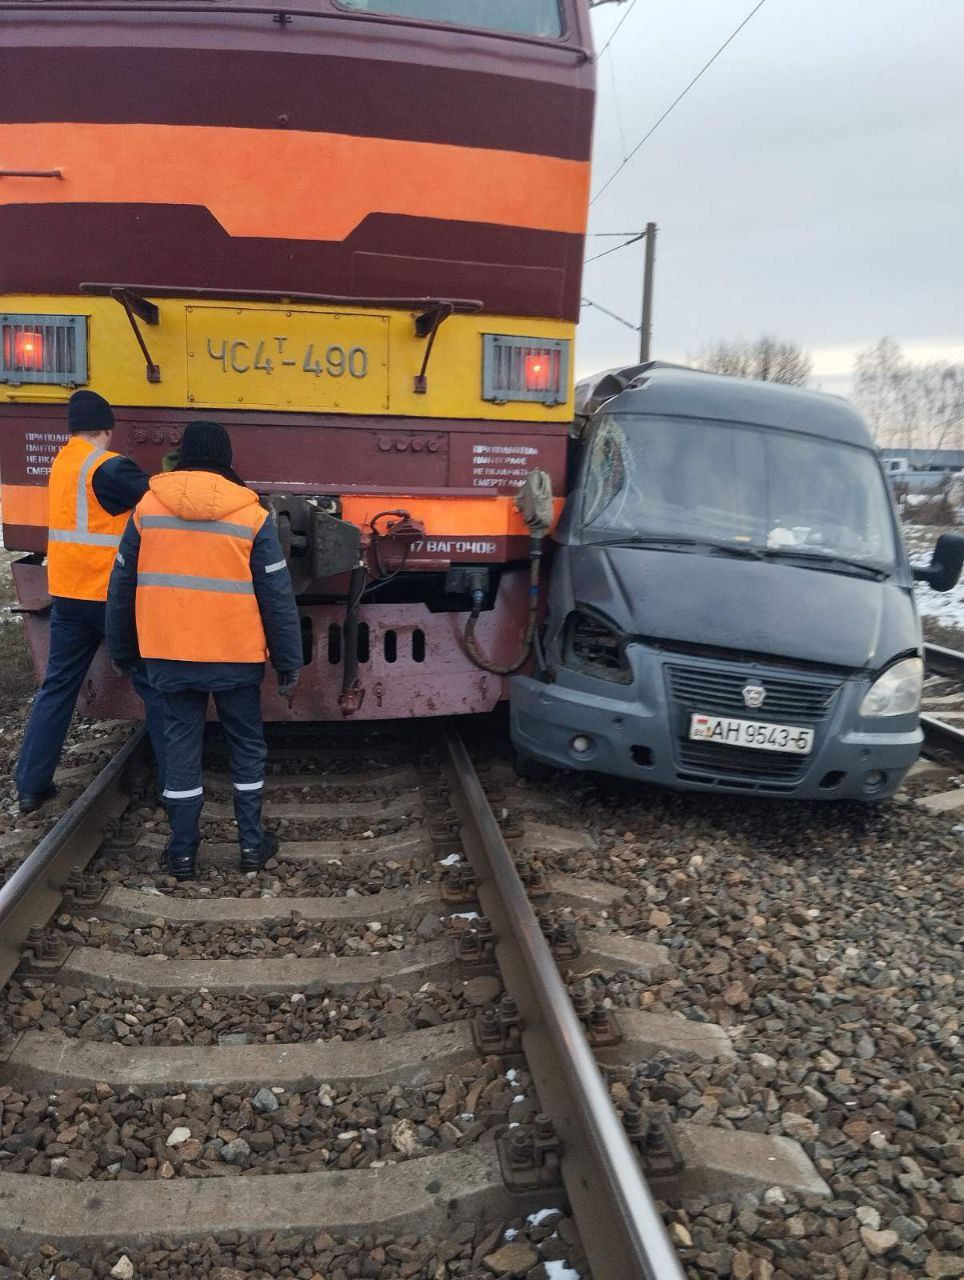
(279,359)
(727,732)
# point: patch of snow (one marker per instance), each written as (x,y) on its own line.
(944,607)
(556,1270)
(451,860)
(465,915)
(540,1215)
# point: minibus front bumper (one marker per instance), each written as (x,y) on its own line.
(642,731)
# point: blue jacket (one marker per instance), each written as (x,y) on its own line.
(276,603)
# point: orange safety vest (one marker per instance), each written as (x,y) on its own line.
(195,595)
(82,537)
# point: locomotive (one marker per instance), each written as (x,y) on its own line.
(351,231)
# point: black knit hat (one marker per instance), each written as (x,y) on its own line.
(87,411)
(205,445)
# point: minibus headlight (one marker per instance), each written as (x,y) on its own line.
(592,646)
(897,692)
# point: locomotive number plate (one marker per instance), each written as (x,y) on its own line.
(269,358)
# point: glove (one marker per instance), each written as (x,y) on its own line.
(170,460)
(125,668)
(287,683)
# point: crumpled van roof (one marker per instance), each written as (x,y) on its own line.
(677,391)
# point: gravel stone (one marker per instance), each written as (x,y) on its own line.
(879,1242)
(513,1259)
(942,1266)
(482,990)
(868,1217)
(265,1101)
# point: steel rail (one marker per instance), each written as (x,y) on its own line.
(939,736)
(619,1224)
(34,891)
(943,737)
(944,662)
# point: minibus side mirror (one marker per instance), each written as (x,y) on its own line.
(946,563)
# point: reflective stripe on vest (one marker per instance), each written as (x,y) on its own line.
(78,555)
(195,594)
(198,526)
(225,585)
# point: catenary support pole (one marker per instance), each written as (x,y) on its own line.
(646,327)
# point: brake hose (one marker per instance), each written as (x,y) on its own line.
(478,596)
(535,503)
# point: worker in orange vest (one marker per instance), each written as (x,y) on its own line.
(201,591)
(90,492)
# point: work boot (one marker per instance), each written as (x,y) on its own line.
(180,865)
(29,803)
(254,859)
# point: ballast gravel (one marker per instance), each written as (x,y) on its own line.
(90,745)
(96,1133)
(135,1020)
(296,938)
(372,1013)
(298,879)
(544,1247)
(827,941)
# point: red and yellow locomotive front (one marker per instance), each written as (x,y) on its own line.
(352,232)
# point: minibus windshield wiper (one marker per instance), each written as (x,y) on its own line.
(669,542)
(831,563)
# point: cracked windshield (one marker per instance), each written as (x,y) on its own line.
(751,488)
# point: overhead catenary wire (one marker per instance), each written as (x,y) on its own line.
(612,74)
(615,31)
(640,235)
(676,101)
(619,114)
(588,302)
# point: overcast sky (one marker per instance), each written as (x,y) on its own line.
(811,185)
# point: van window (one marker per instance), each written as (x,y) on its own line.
(606,474)
(725,482)
(521,17)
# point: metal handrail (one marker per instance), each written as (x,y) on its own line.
(620,1227)
(465,306)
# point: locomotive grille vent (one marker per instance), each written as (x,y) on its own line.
(533,369)
(43,349)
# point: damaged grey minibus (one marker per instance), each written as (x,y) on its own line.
(730,604)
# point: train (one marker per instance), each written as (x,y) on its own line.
(352,231)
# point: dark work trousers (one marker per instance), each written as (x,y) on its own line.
(239,711)
(76,633)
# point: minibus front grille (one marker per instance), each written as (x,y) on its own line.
(738,762)
(787,699)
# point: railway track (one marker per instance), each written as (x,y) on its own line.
(379,1057)
(937,780)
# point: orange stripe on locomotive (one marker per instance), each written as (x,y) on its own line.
(292,185)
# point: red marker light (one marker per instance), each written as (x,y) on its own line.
(538,370)
(23,350)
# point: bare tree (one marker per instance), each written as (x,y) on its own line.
(878,372)
(914,406)
(765,359)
